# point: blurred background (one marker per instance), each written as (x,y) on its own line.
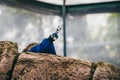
(91,34)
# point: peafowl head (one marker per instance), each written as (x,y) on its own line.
(53,36)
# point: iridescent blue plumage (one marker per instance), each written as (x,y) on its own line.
(46,46)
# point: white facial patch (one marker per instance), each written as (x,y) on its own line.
(54,38)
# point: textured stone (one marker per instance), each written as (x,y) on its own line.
(33,66)
(7,53)
(106,71)
(50,67)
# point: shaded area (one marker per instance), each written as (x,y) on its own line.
(10,72)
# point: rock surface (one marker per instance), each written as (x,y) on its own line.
(33,66)
(106,71)
(7,54)
(50,67)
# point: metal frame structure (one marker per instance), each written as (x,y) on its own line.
(63,10)
(40,7)
(64,26)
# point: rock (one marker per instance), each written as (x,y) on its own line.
(106,71)
(34,66)
(50,67)
(7,53)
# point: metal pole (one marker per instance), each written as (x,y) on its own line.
(64,26)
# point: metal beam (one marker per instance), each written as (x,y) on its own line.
(37,6)
(64,26)
(103,7)
(34,6)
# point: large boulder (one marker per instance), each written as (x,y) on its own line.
(8,51)
(106,71)
(33,66)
